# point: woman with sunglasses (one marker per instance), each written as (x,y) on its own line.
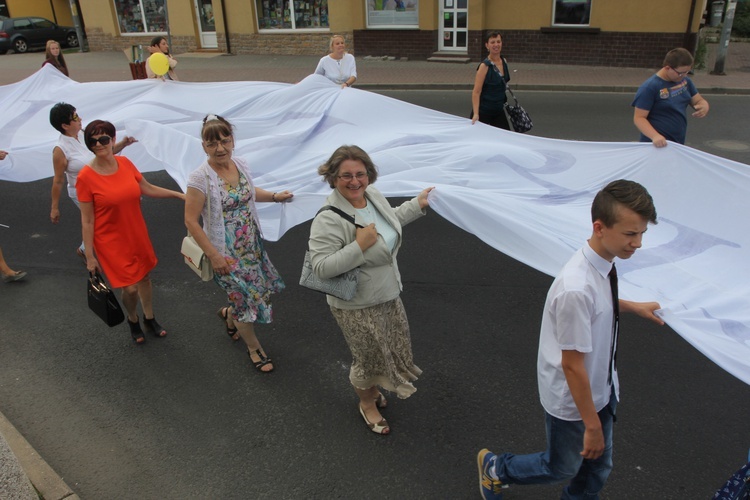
(69,156)
(221,191)
(109,192)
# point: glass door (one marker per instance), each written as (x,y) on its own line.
(204,11)
(454,27)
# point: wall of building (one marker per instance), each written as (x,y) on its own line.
(621,33)
(21,8)
(54,10)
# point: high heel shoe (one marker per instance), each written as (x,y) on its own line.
(263,360)
(136,332)
(380,401)
(223,313)
(378,428)
(153,327)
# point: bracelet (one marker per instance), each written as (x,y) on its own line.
(273,197)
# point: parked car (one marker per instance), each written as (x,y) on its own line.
(23,33)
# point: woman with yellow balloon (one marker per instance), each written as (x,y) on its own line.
(160,64)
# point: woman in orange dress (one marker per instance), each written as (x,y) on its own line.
(109,191)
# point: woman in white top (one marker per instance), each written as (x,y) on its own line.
(69,156)
(338,66)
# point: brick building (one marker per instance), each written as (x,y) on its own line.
(594,32)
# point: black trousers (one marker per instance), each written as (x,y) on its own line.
(498,120)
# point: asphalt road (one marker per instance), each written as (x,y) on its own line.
(187,417)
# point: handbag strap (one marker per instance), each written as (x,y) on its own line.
(507,87)
(343,214)
(208,197)
(97,282)
(208,200)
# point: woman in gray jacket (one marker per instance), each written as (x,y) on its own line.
(373,322)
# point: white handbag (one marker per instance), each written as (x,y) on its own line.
(195,257)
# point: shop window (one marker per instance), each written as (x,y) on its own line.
(572,12)
(292,14)
(141,16)
(394,13)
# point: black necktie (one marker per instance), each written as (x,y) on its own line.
(615,322)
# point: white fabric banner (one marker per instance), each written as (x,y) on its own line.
(526,196)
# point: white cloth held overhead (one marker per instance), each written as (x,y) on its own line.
(526,196)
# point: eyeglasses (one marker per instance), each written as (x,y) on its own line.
(75,117)
(347,176)
(680,73)
(225,143)
(103,140)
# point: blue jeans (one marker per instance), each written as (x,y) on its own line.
(563,461)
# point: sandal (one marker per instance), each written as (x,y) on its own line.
(223,313)
(153,327)
(136,332)
(16,276)
(380,401)
(263,360)
(378,428)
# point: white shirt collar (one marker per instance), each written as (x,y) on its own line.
(602,265)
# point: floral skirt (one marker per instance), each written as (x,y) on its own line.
(253,278)
(379,339)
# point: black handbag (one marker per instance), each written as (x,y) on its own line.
(518,116)
(102,300)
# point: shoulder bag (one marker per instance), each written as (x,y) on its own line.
(102,300)
(343,286)
(195,257)
(518,116)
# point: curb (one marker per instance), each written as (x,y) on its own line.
(45,480)
(540,87)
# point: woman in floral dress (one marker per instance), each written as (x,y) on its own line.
(221,191)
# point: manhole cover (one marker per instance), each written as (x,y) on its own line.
(729,145)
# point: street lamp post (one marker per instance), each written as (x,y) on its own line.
(79,27)
(726,33)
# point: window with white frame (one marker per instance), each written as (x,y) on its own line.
(292,14)
(394,13)
(571,12)
(141,16)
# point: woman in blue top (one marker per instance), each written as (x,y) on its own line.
(488,97)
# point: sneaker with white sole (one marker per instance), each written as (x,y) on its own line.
(489,487)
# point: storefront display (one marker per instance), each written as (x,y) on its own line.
(141,16)
(292,14)
(393,13)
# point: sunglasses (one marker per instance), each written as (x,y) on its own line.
(75,117)
(103,140)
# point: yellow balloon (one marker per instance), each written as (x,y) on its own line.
(158,63)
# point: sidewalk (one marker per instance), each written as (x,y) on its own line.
(18,460)
(21,467)
(377,73)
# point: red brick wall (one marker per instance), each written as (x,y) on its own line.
(414,44)
(591,49)
(531,46)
